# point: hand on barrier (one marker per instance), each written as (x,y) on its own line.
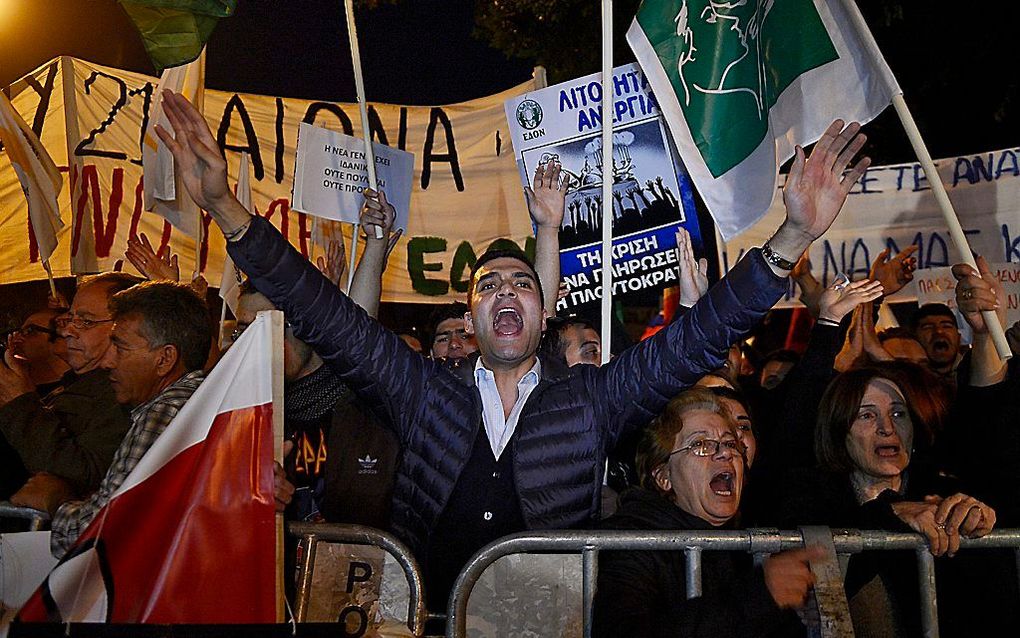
(44,492)
(788,576)
(962,515)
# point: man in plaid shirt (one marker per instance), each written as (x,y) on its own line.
(159,345)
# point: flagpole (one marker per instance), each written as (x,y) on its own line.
(938,189)
(49,276)
(359,86)
(607,178)
(995,329)
(277,331)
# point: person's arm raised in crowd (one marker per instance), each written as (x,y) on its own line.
(692,273)
(636,385)
(810,288)
(370,358)
(546,200)
(976,291)
(794,424)
(896,271)
(366,288)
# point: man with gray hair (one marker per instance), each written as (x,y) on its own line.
(159,344)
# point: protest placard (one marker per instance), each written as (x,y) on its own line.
(652,193)
(331,173)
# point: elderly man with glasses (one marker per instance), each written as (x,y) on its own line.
(64,442)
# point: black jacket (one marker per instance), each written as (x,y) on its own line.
(565,428)
(642,593)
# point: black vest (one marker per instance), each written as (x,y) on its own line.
(483,507)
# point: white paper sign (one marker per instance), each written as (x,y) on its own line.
(331,173)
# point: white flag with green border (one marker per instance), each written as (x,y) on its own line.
(742,82)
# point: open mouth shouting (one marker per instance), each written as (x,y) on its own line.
(508,322)
(722,484)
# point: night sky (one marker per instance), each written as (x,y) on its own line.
(420,52)
(958,68)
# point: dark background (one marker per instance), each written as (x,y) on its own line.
(957,67)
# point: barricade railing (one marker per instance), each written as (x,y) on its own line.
(311,534)
(38,520)
(759,542)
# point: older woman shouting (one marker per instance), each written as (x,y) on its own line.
(691,465)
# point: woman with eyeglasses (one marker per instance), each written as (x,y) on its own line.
(875,473)
(691,465)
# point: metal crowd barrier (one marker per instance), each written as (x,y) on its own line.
(311,534)
(760,542)
(38,520)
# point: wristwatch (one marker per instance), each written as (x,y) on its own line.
(775,258)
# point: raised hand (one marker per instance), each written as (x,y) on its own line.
(836,301)
(895,272)
(334,265)
(810,288)
(692,273)
(147,261)
(547,196)
(976,291)
(198,158)
(376,211)
(817,187)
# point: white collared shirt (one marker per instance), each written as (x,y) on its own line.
(498,429)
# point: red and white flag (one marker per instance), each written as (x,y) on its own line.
(191,535)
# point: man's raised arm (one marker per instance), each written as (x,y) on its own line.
(636,386)
(367,356)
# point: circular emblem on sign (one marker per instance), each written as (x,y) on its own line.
(529,114)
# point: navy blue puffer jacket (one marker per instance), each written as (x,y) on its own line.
(566,427)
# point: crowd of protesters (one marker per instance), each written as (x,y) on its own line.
(504,419)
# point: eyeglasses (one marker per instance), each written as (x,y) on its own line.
(710,447)
(79,322)
(31,329)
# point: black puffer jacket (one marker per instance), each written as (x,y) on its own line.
(641,594)
(565,428)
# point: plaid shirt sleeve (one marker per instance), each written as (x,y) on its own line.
(147,422)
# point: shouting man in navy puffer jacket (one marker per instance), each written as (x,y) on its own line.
(506,442)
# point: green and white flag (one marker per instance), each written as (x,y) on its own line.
(741,82)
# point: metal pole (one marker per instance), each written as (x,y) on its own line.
(692,567)
(929,602)
(589,583)
(607,177)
